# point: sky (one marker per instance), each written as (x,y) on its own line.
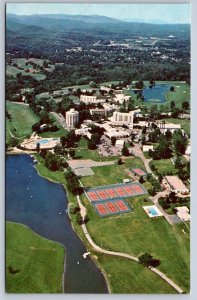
(167,13)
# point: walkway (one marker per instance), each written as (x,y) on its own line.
(172,219)
(139,153)
(120,254)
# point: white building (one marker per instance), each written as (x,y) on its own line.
(84,131)
(98,111)
(91,99)
(168,126)
(146,148)
(176,185)
(119,118)
(120,144)
(183,213)
(72,118)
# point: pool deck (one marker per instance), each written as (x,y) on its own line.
(31,144)
(148,211)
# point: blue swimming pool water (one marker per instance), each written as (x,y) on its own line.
(153,211)
(44,141)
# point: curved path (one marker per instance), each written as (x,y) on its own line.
(120,254)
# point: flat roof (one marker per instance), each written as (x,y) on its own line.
(176,183)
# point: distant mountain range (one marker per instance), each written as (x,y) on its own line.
(52,24)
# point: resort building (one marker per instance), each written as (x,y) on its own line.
(120,144)
(98,112)
(84,131)
(146,148)
(91,99)
(183,213)
(168,126)
(119,118)
(72,118)
(176,185)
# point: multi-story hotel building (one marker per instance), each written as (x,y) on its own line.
(119,118)
(72,118)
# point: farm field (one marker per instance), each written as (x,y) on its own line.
(37,262)
(19,129)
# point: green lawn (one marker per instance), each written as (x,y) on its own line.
(135,233)
(49,134)
(127,277)
(164,166)
(40,262)
(22,120)
(13,71)
(111,174)
(181,93)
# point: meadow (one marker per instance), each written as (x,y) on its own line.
(33,264)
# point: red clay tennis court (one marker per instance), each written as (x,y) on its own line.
(102,195)
(137,189)
(115,191)
(114,207)
(111,193)
(111,207)
(92,196)
(101,209)
(120,192)
(139,171)
(121,205)
(129,190)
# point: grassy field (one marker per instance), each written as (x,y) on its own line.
(135,233)
(181,93)
(39,262)
(49,134)
(111,174)
(129,277)
(12,71)
(22,120)
(164,166)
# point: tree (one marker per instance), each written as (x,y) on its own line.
(125,151)
(38,147)
(172,104)
(185,105)
(172,88)
(147,260)
(92,84)
(113,140)
(168,135)
(120,162)
(180,142)
(78,218)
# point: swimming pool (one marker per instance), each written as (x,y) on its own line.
(44,141)
(153,211)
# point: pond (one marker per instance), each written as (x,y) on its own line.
(156,94)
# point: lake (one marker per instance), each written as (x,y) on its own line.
(37,202)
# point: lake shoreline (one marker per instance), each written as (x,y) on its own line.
(71,223)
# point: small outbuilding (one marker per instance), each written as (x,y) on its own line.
(183,213)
